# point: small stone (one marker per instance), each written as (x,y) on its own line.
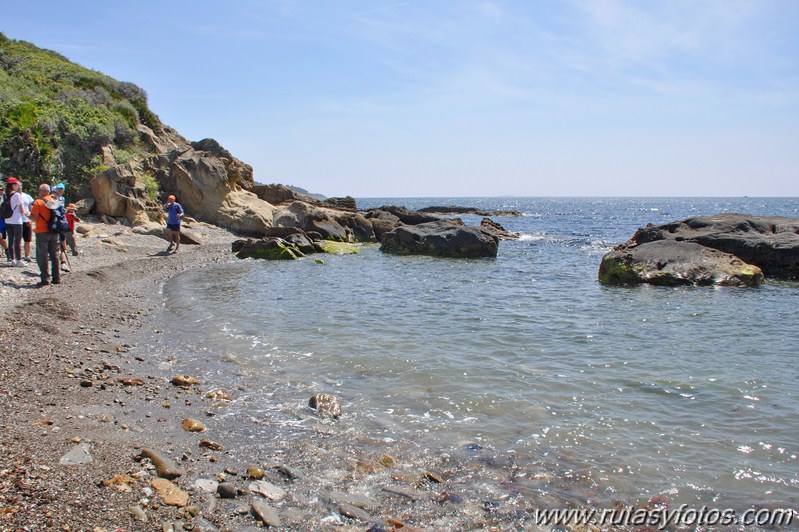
(184,381)
(138,514)
(79,455)
(352,512)
(86,383)
(327,405)
(267,489)
(192,425)
(284,471)
(266,513)
(352,499)
(131,382)
(75,440)
(165,467)
(433,477)
(171,494)
(192,511)
(255,472)
(388,461)
(206,485)
(367,466)
(227,491)
(208,444)
(220,394)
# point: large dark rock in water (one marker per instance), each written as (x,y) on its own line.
(770,243)
(672,263)
(442,238)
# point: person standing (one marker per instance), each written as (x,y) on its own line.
(70,235)
(14,223)
(58,197)
(46,242)
(27,228)
(174,212)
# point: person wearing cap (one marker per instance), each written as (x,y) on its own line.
(14,223)
(46,242)
(27,226)
(174,212)
(57,193)
(70,235)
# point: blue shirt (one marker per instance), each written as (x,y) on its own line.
(172,213)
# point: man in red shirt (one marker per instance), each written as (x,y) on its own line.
(46,242)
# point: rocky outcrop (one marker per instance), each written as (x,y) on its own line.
(278,194)
(672,263)
(441,238)
(332,224)
(493,227)
(404,215)
(120,192)
(452,209)
(748,247)
(210,188)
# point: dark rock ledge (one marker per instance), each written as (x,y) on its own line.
(725,249)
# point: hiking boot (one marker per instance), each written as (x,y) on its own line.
(56,281)
(64,267)
(75,253)
(171,246)
(26,259)
(42,283)
(177,248)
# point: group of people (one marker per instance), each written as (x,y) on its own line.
(25,216)
(32,216)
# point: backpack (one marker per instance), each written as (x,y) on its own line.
(58,219)
(5,208)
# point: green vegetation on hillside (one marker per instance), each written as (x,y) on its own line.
(55,115)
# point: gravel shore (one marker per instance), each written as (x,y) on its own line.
(95,433)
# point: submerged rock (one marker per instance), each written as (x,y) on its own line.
(327,405)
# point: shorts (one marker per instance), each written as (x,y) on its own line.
(3,229)
(173,227)
(26,232)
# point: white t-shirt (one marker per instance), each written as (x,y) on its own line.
(27,201)
(16,204)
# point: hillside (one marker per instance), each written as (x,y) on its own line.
(55,116)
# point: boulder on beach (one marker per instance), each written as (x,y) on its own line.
(442,238)
(725,249)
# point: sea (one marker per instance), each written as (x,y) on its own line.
(523,365)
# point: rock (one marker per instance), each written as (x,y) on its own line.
(312,218)
(493,227)
(208,444)
(338,248)
(354,513)
(255,472)
(404,492)
(278,194)
(388,461)
(451,209)
(138,514)
(403,215)
(227,491)
(673,263)
(266,513)
(184,381)
(433,477)
(212,186)
(769,242)
(171,494)
(267,489)
(326,405)
(192,425)
(346,203)
(206,485)
(84,207)
(130,382)
(165,467)
(271,248)
(220,394)
(78,455)
(352,499)
(86,383)
(122,483)
(286,472)
(442,238)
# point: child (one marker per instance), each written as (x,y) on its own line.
(70,235)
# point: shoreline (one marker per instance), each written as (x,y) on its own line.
(84,384)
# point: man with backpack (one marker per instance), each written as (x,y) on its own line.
(46,239)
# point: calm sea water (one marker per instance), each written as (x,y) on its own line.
(595,393)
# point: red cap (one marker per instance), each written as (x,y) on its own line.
(12,181)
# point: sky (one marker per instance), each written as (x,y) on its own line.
(461,98)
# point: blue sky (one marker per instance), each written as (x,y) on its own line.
(461,98)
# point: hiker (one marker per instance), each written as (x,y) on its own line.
(14,222)
(174,214)
(46,242)
(70,235)
(27,227)
(58,197)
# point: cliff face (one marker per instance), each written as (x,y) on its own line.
(60,122)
